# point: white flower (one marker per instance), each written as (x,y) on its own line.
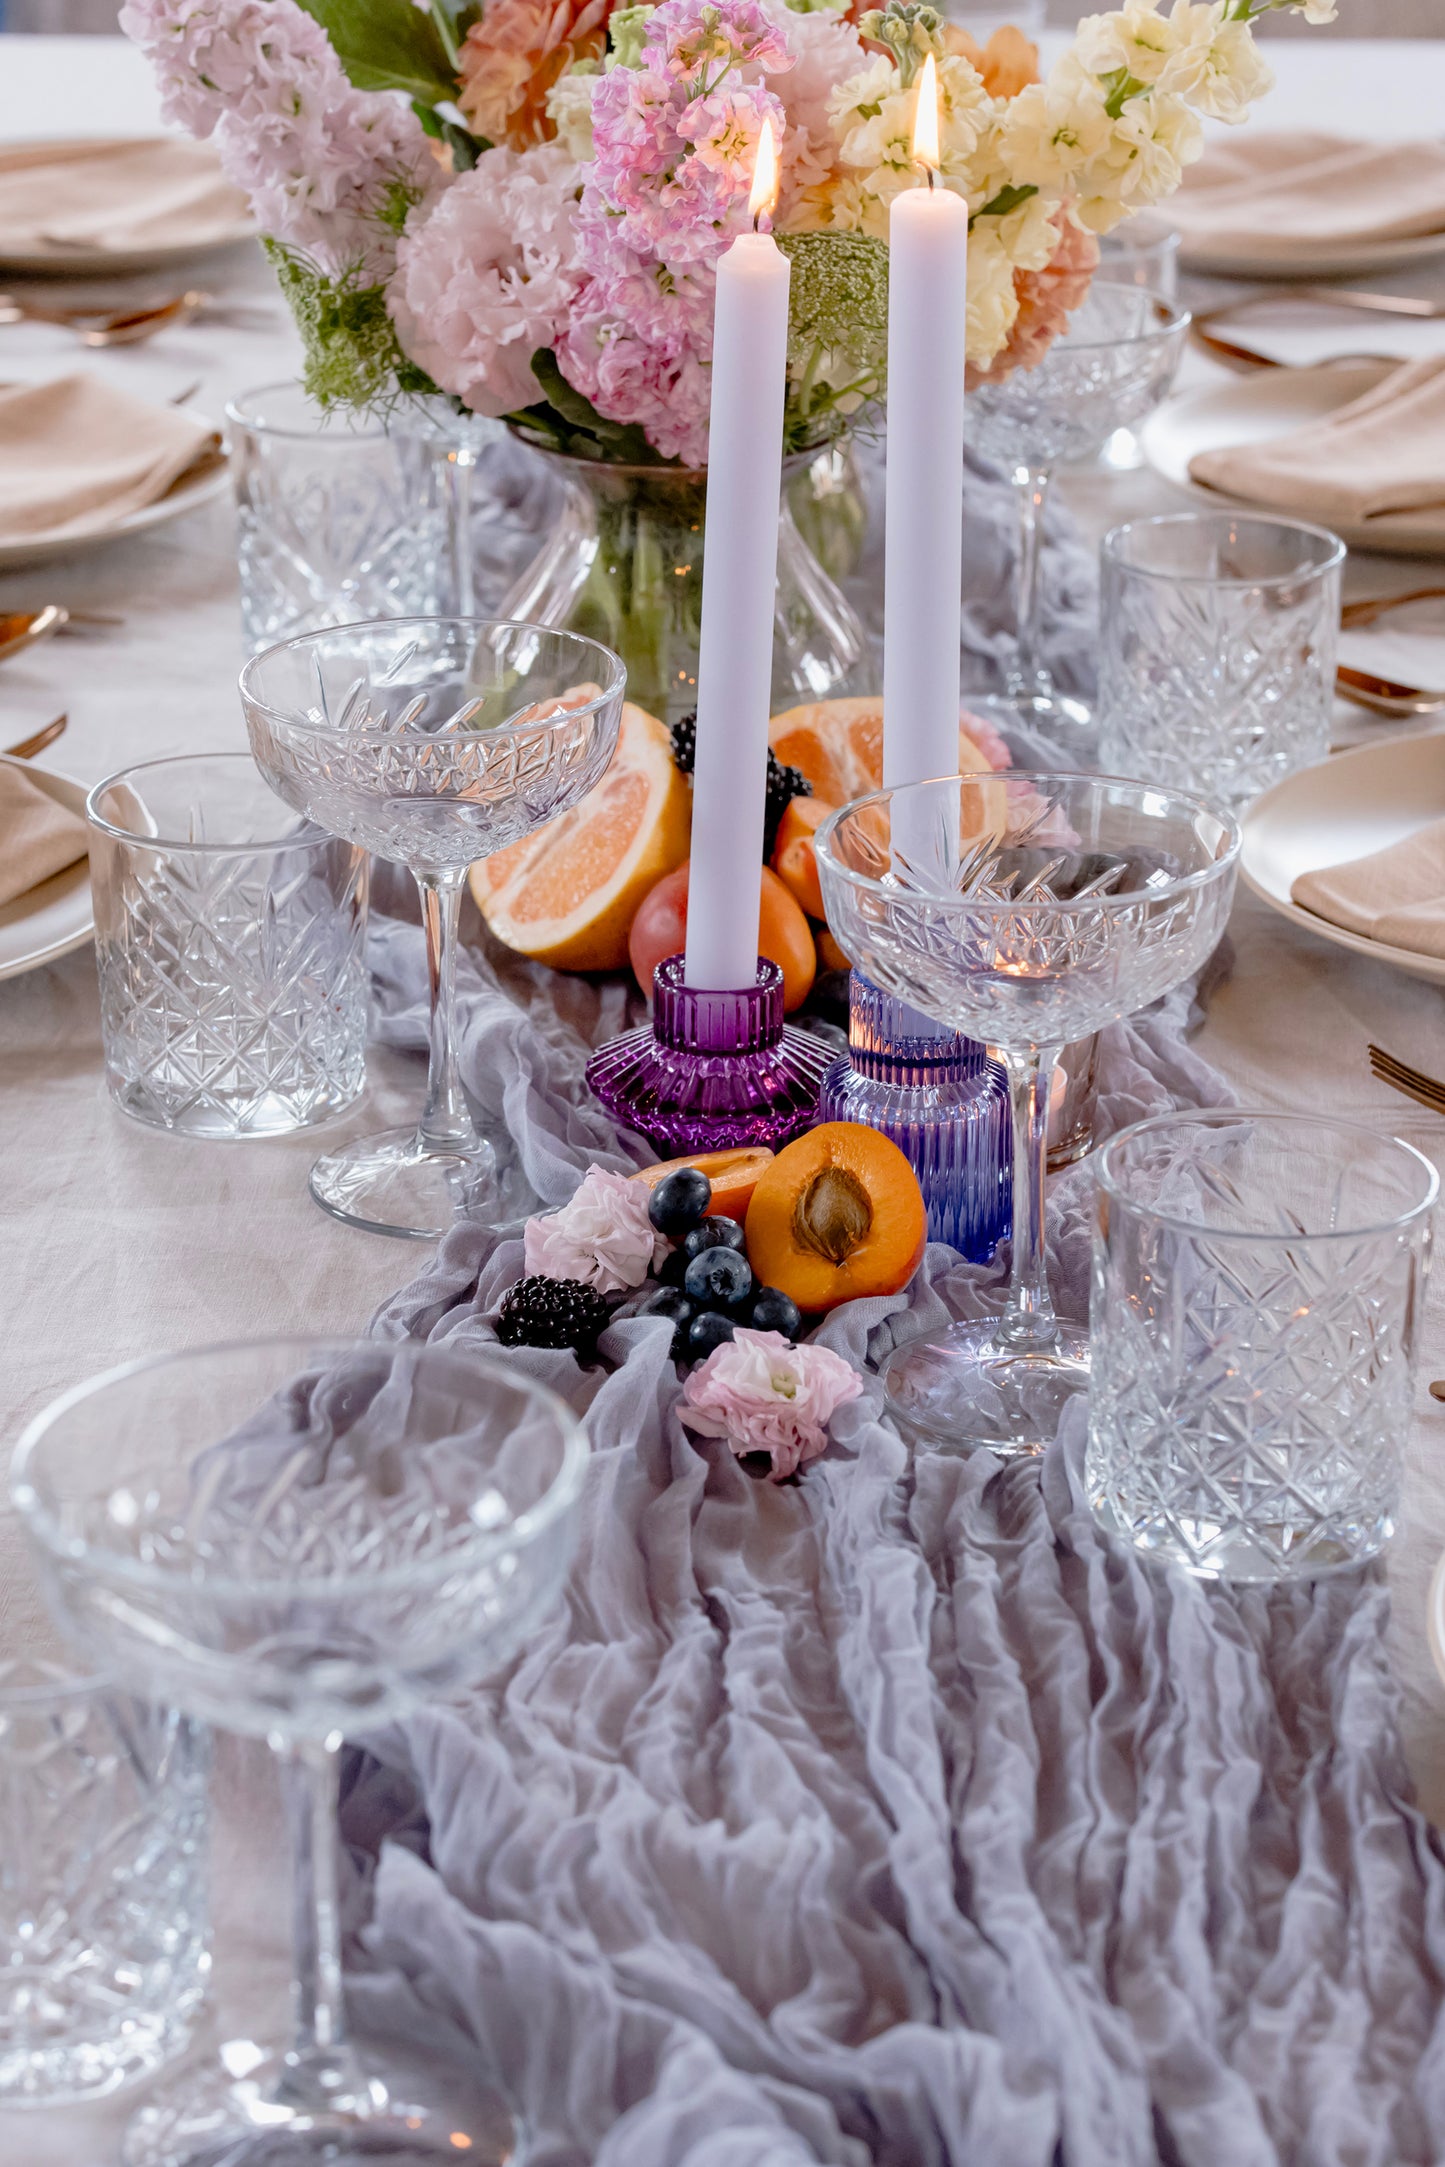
(992,298)
(1052,131)
(1315,11)
(1218,66)
(602,1235)
(1135,38)
(569,108)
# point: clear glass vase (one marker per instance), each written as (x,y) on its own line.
(623,565)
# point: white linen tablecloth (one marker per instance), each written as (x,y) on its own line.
(144,1243)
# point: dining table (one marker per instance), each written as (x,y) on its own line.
(120,1241)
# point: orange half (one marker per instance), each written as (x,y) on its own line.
(566,895)
(838,744)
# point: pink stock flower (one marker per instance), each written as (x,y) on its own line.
(324,165)
(763,1395)
(602,1235)
(489,275)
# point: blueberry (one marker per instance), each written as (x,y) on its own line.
(716,1233)
(679,1200)
(672,1267)
(719,1277)
(708,1331)
(774,1311)
(672,1303)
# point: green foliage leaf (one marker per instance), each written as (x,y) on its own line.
(1008,199)
(566,419)
(387,45)
(1119,87)
(352,357)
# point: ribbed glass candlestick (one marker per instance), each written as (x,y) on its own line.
(943,1102)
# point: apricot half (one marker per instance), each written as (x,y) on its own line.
(794,859)
(838,1214)
(734,1176)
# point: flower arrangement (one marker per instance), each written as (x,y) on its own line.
(521,203)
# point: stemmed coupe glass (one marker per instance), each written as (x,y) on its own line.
(300,1541)
(1026,915)
(1106,370)
(435,741)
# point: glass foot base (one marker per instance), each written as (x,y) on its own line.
(393,1183)
(246,2110)
(963,1389)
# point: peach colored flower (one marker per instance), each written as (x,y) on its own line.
(512,57)
(763,1394)
(1046,299)
(1008,63)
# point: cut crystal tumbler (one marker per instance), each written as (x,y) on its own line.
(1257,1288)
(103,1917)
(230,937)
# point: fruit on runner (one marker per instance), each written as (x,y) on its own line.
(838,745)
(794,859)
(660,930)
(568,894)
(732,1177)
(838,1214)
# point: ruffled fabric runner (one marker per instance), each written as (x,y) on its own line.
(891,1816)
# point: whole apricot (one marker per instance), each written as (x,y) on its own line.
(660,930)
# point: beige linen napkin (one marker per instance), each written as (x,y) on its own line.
(38,837)
(115,196)
(1395,895)
(1286,195)
(77,454)
(1379,454)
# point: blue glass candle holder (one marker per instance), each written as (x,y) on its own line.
(943,1102)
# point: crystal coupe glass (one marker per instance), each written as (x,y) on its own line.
(435,741)
(300,1541)
(1108,368)
(1026,916)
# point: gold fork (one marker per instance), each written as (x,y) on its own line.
(1412,1082)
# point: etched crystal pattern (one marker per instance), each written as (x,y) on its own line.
(1110,368)
(103,1918)
(233,985)
(1218,688)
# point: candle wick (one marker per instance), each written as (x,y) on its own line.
(929,171)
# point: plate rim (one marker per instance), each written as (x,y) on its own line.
(67,943)
(1410,960)
(95,262)
(182,497)
(1338,259)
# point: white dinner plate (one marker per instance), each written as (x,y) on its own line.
(1249,410)
(199,486)
(1319,259)
(50,259)
(1356,802)
(55,917)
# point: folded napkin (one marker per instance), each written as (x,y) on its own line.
(1288,195)
(1396,895)
(77,454)
(38,837)
(1382,453)
(115,195)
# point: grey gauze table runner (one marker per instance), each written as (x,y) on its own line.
(890,1816)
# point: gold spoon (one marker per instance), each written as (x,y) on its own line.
(20,629)
(1382,696)
(29,746)
(107,327)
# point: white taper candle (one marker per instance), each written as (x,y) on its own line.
(923,564)
(740,569)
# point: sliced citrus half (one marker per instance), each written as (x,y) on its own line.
(567,895)
(838,744)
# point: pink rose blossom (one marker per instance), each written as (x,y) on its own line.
(602,1235)
(489,276)
(764,1395)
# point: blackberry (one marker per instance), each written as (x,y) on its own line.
(784,784)
(541,1312)
(683,733)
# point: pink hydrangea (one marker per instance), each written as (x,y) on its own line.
(602,1235)
(765,1395)
(488,276)
(322,163)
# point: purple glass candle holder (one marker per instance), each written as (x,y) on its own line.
(938,1097)
(712,1070)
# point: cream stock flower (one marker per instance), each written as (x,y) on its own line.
(1217,65)
(1136,38)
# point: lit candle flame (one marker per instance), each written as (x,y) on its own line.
(925,119)
(765,178)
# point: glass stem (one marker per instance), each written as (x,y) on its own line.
(1028,1322)
(318,2063)
(460,465)
(446,1122)
(1031,488)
